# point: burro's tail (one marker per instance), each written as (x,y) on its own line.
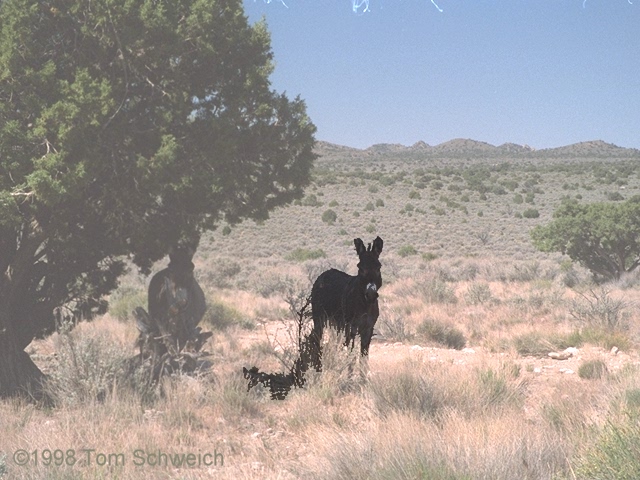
(280,384)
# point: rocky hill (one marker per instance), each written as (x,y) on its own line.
(466,148)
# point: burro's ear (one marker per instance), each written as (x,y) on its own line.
(377,246)
(360,248)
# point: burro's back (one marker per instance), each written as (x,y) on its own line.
(327,302)
(346,302)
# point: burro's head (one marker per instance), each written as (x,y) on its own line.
(369,267)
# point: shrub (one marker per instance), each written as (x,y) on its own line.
(303,254)
(89,366)
(310,201)
(436,290)
(478,293)
(370,228)
(220,276)
(413,195)
(226,230)
(615,454)
(407,391)
(125,300)
(429,256)
(538,345)
(597,309)
(333,203)
(379,203)
(3,465)
(369,207)
(407,250)
(442,333)
(220,316)
(615,196)
(329,216)
(531,213)
(592,369)
(393,326)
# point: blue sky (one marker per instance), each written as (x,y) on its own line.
(545,73)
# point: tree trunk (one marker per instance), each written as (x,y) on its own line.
(19,376)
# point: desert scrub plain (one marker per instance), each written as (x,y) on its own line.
(459,384)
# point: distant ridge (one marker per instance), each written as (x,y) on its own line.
(461,147)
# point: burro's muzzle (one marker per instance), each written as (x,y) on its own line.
(371,292)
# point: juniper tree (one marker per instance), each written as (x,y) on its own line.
(604,237)
(127,126)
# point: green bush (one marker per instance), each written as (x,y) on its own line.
(407,250)
(442,333)
(310,201)
(615,455)
(615,196)
(220,317)
(125,300)
(538,345)
(303,254)
(531,213)
(329,216)
(478,293)
(592,369)
(379,203)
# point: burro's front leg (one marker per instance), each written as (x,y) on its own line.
(366,330)
(365,340)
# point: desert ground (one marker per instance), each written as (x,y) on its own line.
(459,383)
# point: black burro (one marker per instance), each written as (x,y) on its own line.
(348,303)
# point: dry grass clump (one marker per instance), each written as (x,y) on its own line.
(538,344)
(442,333)
(615,453)
(428,390)
(403,446)
(433,289)
(592,369)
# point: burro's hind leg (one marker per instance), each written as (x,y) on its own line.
(315,347)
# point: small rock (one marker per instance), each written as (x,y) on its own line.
(559,355)
(615,350)
(537,370)
(571,350)
(468,350)
(417,347)
(397,344)
(566,370)
(256,435)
